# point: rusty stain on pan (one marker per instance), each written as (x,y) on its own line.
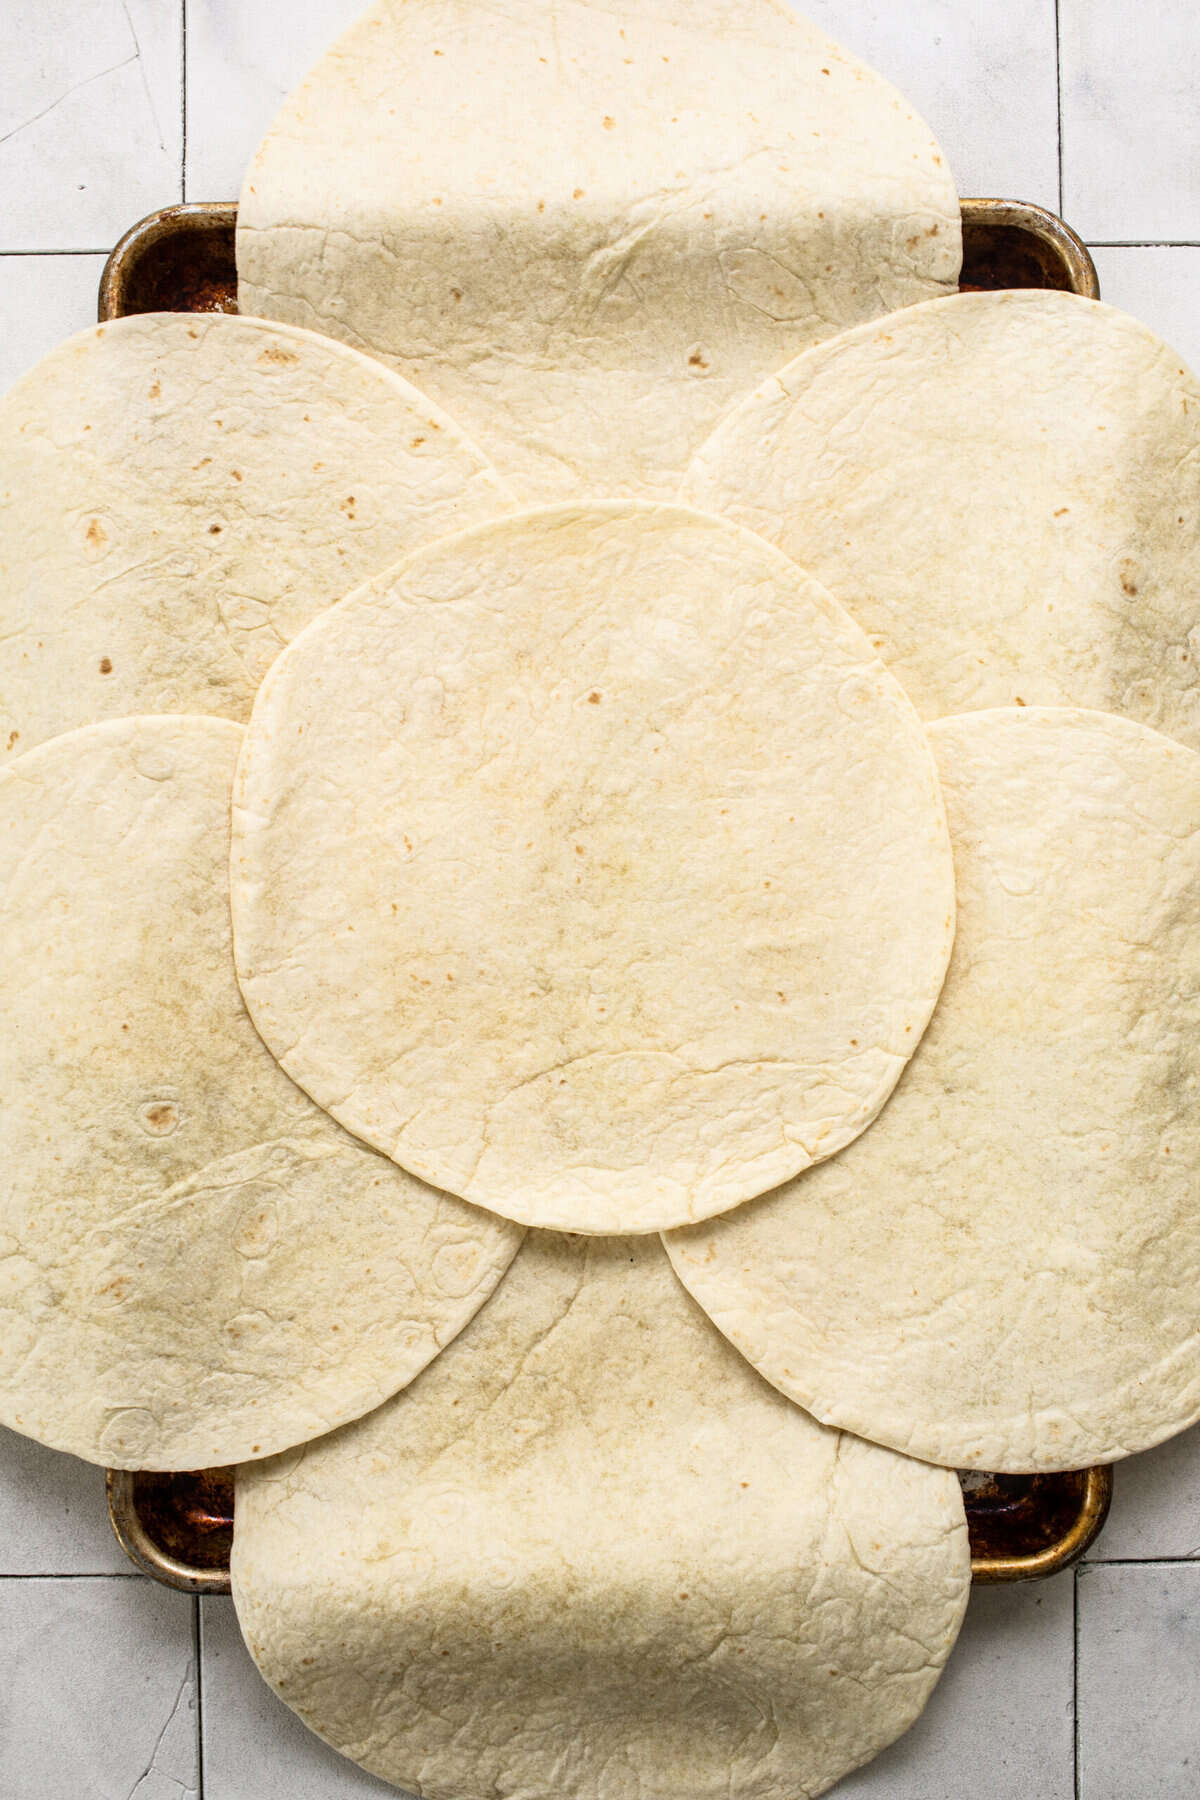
(1014,244)
(1024,1527)
(180,259)
(179,1527)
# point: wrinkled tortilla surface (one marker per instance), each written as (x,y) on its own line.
(181,493)
(1002,489)
(587,230)
(592,866)
(197,1265)
(590,1551)
(1004,1272)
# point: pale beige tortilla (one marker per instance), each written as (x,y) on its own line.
(196,1265)
(587,230)
(1004,1272)
(179,494)
(1002,489)
(592,866)
(589,1551)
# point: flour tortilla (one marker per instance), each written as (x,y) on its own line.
(1004,1273)
(590,1551)
(1003,490)
(197,1266)
(180,494)
(587,230)
(592,866)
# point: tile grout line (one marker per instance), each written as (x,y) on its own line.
(1137,1562)
(1058,101)
(1075,1677)
(183,74)
(198,1640)
(80,1575)
(99,252)
(1144,243)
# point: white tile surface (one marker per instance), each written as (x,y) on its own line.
(254,1748)
(1160,286)
(981,74)
(43,299)
(240,68)
(53,1513)
(98,1693)
(90,119)
(1156,1505)
(999,1724)
(1131,125)
(1139,1683)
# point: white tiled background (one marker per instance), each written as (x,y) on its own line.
(114,1689)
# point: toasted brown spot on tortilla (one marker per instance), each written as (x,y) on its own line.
(160,1118)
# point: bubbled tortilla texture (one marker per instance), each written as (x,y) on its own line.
(586,230)
(1002,489)
(180,494)
(592,866)
(589,1551)
(1004,1272)
(197,1265)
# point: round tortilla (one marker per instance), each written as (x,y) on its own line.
(590,1551)
(586,230)
(198,1266)
(1004,1272)
(592,866)
(1004,491)
(179,494)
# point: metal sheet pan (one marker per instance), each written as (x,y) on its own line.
(181,259)
(179,1528)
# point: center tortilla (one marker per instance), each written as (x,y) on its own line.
(592,866)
